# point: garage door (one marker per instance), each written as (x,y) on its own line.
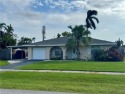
(38,53)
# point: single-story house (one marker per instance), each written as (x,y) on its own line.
(56,48)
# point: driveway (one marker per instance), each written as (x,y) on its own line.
(16,63)
(13,91)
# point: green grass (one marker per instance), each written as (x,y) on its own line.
(64,82)
(77,65)
(3,63)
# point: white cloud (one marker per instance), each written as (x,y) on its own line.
(27,22)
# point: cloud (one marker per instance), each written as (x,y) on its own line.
(103,6)
(28,21)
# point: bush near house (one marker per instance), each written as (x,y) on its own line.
(113,54)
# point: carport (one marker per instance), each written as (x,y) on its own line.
(13,50)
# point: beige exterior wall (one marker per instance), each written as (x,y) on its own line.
(47,52)
(64,52)
(85,53)
(29,53)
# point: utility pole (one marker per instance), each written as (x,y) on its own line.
(43,32)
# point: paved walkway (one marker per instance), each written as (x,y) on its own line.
(14,91)
(56,71)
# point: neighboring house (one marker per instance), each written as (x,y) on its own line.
(56,49)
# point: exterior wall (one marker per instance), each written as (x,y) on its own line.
(64,52)
(105,47)
(85,53)
(30,53)
(47,52)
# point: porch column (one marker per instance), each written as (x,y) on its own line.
(11,54)
(64,52)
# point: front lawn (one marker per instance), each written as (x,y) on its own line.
(64,82)
(3,63)
(76,65)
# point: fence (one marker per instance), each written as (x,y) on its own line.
(5,54)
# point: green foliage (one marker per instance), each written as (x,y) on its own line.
(8,38)
(58,35)
(100,55)
(25,40)
(78,37)
(112,54)
(66,34)
(119,43)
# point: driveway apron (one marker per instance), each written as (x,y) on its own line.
(16,64)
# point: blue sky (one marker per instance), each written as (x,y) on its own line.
(28,16)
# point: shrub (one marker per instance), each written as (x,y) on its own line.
(100,55)
(113,54)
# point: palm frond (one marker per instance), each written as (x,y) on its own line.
(95,19)
(88,24)
(92,23)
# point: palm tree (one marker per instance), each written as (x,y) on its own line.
(89,20)
(2,25)
(9,30)
(33,39)
(79,36)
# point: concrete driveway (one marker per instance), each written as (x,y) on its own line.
(16,63)
(13,91)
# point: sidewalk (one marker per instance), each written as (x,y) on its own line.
(57,71)
(14,91)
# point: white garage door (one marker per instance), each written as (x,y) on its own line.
(38,53)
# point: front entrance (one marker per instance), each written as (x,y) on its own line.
(71,54)
(56,53)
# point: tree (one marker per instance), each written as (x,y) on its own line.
(33,39)
(58,35)
(9,30)
(78,37)
(89,20)
(66,34)
(2,25)
(7,37)
(25,40)
(119,43)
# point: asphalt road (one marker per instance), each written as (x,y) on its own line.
(13,91)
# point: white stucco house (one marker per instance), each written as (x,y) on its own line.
(56,48)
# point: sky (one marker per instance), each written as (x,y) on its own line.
(28,16)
